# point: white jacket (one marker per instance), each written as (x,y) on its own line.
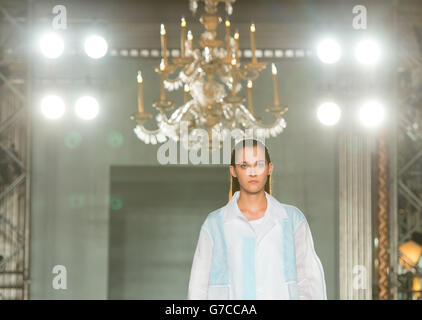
(273,260)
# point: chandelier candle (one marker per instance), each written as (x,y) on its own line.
(190,38)
(228,38)
(163,92)
(236,48)
(274,72)
(186,89)
(163,43)
(140,97)
(234,84)
(250,96)
(208,81)
(183,36)
(253,43)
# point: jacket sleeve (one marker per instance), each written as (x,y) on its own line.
(310,273)
(201,266)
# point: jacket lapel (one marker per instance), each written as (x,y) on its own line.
(276,214)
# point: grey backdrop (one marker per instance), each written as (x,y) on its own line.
(151,238)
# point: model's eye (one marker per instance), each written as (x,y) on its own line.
(243,166)
(261,164)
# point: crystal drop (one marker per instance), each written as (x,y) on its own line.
(193,6)
(153,140)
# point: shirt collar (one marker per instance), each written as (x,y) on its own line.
(275,209)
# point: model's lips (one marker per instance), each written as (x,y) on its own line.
(253,181)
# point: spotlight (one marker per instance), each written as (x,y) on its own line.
(329,51)
(328,113)
(411,251)
(367,52)
(371,113)
(52,107)
(87,107)
(51,45)
(95,46)
(416,287)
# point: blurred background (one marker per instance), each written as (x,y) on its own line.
(87,210)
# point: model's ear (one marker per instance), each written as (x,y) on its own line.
(233,171)
(270,168)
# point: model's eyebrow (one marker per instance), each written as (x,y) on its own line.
(244,162)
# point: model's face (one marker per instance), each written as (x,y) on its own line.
(251,169)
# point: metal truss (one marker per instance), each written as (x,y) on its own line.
(408,180)
(14,151)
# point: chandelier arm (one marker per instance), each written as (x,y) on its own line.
(223,74)
(227,82)
(244,75)
(249,115)
(185,109)
(255,69)
(193,66)
(185,71)
(149,131)
(171,122)
(173,84)
(163,119)
(177,79)
(258,123)
(150,136)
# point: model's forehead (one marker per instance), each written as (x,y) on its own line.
(250,154)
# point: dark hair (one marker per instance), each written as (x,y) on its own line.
(234,182)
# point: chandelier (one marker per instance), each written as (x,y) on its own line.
(211,76)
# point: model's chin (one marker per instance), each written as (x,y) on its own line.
(251,188)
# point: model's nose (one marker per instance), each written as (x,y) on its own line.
(251,172)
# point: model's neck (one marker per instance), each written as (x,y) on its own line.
(252,201)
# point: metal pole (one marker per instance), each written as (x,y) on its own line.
(29,113)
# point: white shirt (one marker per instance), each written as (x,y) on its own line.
(256,224)
(269,280)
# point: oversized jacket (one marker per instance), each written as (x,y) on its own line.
(278,261)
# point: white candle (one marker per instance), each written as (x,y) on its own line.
(140,97)
(236,49)
(253,48)
(274,72)
(164,43)
(183,36)
(249,85)
(234,62)
(163,92)
(228,37)
(190,38)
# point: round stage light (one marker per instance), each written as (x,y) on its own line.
(367,52)
(328,113)
(51,45)
(329,51)
(95,46)
(52,107)
(371,113)
(87,107)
